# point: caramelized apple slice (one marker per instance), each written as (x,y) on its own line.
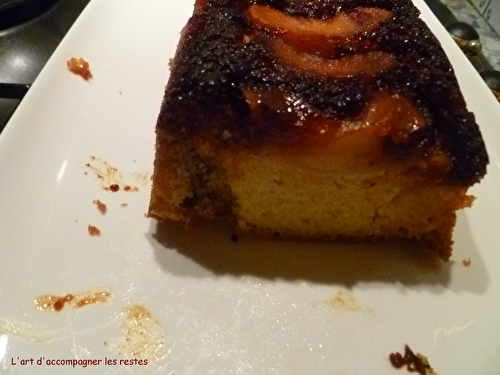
(386,114)
(369,19)
(394,115)
(314,34)
(369,64)
(198,5)
(337,27)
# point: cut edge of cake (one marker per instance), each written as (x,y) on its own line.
(345,185)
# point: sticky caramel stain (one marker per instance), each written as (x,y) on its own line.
(106,173)
(344,301)
(143,335)
(111,178)
(55,303)
(26,331)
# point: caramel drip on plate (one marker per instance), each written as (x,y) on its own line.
(56,303)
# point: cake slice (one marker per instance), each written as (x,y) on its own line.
(337,119)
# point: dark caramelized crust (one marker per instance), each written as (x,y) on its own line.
(232,76)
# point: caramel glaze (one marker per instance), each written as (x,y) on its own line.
(224,58)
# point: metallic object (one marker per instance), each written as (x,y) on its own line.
(13,90)
(30,31)
(466,37)
(492,79)
(468,40)
(15,12)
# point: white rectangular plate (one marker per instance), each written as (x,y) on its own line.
(217,307)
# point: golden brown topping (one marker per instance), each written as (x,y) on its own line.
(369,63)
(229,49)
(337,27)
(317,35)
(198,5)
(394,115)
(386,114)
(341,26)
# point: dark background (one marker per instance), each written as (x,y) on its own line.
(30,31)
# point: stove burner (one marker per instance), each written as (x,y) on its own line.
(15,12)
(13,90)
(30,31)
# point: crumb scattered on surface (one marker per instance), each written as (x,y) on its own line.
(111,178)
(413,362)
(79,67)
(93,230)
(124,205)
(466,262)
(101,206)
